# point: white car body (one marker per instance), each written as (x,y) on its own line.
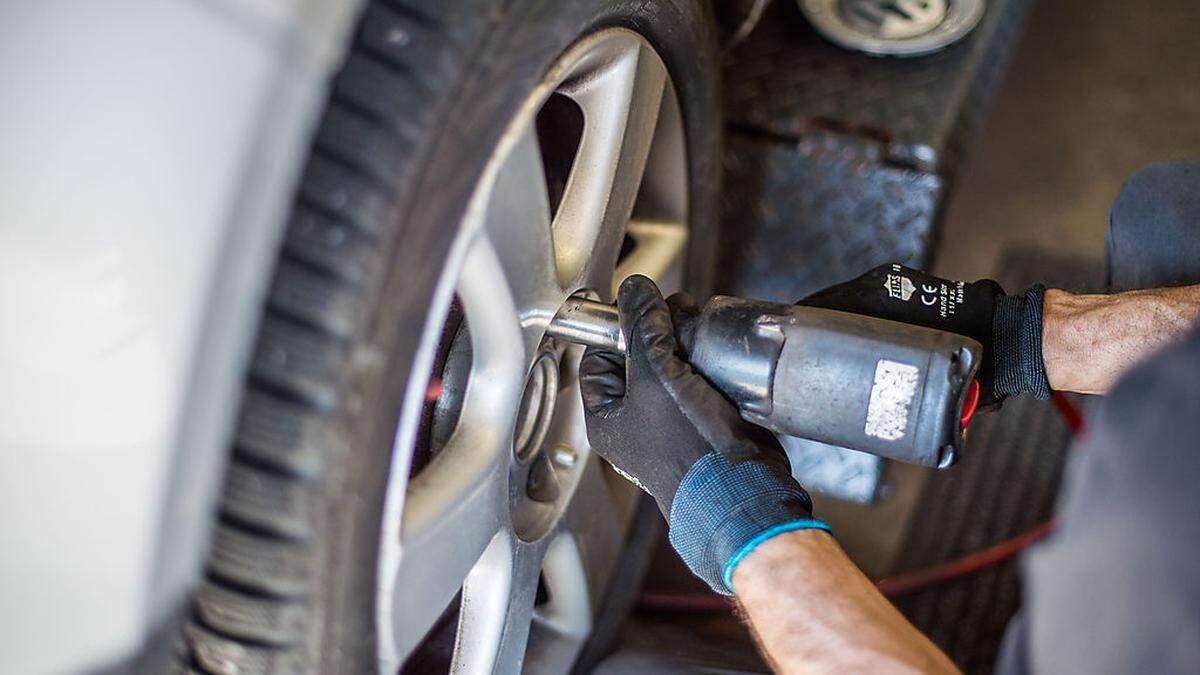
(150,151)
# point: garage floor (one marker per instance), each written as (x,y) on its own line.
(1098,89)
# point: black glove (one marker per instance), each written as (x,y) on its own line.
(651,415)
(722,482)
(1008,327)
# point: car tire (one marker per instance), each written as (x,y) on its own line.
(424,95)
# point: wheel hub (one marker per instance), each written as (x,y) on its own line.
(893,20)
(894,27)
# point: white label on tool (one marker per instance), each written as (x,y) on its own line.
(891,396)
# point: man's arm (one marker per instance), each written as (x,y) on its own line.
(813,611)
(1088,341)
(738,518)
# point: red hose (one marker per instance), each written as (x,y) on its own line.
(691,603)
(968,564)
(1070,414)
(908,581)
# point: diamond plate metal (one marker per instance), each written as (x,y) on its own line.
(840,473)
(801,216)
(837,162)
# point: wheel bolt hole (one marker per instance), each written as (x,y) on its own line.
(543,591)
(564,456)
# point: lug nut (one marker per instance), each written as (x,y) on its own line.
(564,455)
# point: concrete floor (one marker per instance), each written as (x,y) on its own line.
(1098,89)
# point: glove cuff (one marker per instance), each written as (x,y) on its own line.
(723,510)
(1017,345)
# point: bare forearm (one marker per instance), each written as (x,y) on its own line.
(1088,341)
(813,611)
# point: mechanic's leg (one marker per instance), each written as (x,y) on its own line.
(1107,574)
(1153,241)
(1154,228)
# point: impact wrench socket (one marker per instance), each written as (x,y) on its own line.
(891,389)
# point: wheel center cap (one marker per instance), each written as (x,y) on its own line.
(893,20)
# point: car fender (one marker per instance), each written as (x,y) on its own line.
(150,153)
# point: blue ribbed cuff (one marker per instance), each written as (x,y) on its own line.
(748,547)
(722,510)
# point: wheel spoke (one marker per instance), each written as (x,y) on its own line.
(563,622)
(456,505)
(499,342)
(517,227)
(593,521)
(497,609)
(445,529)
(657,253)
(621,108)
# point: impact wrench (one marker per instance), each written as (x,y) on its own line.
(887,388)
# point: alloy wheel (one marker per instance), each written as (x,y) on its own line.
(507,524)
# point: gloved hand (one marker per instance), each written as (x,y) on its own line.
(723,483)
(1008,327)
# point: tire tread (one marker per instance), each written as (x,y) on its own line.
(260,564)
(280,436)
(328,245)
(266,622)
(275,504)
(328,305)
(252,612)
